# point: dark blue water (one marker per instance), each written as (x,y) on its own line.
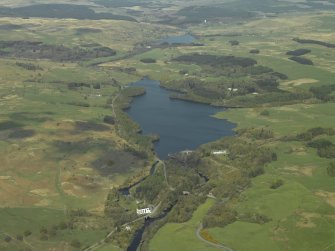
(181,125)
(183,39)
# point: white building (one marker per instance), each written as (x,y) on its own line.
(143,211)
(219,152)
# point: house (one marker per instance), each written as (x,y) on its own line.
(211,195)
(219,152)
(186,152)
(233,89)
(143,211)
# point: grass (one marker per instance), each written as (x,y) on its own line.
(30,219)
(296,215)
(270,36)
(253,236)
(109,248)
(304,205)
(182,234)
(119,35)
(34,219)
(38,179)
(302,210)
(297,211)
(284,120)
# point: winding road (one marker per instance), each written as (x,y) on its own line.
(217,245)
(165,174)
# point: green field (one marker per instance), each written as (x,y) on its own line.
(285,120)
(183,235)
(304,205)
(52,135)
(60,158)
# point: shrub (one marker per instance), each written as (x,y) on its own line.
(29,66)
(219,215)
(27,233)
(327,152)
(282,76)
(207,236)
(75,244)
(265,113)
(314,132)
(254,51)
(311,41)
(276,184)
(97,86)
(52,232)
(298,52)
(215,60)
(44,237)
(301,60)
(326,149)
(43,230)
(254,172)
(254,218)
(319,143)
(234,42)
(148,60)
(109,120)
(150,187)
(331,169)
(323,92)
(268,83)
(7,238)
(63,225)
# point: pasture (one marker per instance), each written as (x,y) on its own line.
(183,234)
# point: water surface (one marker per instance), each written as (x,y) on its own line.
(181,125)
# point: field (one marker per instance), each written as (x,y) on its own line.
(57,153)
(302,210)
(183,235)
(271,38)
(304,205)
(60,157)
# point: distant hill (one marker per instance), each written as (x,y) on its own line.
(59,11)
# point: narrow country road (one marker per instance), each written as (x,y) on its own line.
(103,241)
(217,245)
(165,175)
